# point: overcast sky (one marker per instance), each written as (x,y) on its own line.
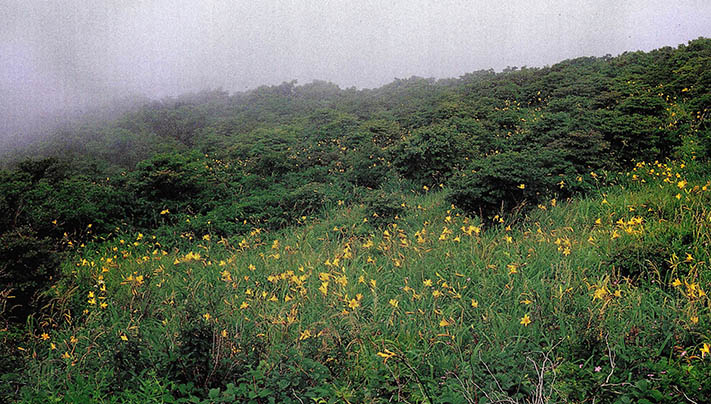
(64,54)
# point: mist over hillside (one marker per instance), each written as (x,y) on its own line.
(214,202)
(60,59)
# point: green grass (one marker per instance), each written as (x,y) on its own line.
(429,309)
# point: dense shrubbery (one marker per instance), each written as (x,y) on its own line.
(599,298)
(500,182)
(279,153)
(28,263)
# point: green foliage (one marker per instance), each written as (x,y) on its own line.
(182,281)
(430,154)
(28,264)
(172,177)
(585,151)
(505,180)
(368,166)
(215,321)
(382,208)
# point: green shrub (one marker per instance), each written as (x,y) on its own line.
(382,208)
(430,154)
(502,181)
(368,167)
(28,264)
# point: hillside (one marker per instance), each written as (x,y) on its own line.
(535,235)
(602,297)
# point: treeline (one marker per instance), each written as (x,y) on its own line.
(220,163)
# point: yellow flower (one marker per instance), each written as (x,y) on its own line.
(394,303)
(124,337)
(353,304)
(522,186)
(475,304)
(676,282)
(427,282)
(304,335)
(600,293)
(164,212)
(513,268)
(444,323)
(525,320)
(386,355)
(244,305)
(324,288)
(705,350)
(206,316)
(44,336)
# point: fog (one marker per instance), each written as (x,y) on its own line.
(59,57)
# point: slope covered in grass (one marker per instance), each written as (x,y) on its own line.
(224,164)
(597,298)
(299,243)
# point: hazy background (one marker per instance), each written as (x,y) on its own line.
(57,57)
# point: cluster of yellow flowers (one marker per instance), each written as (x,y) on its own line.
(265,283)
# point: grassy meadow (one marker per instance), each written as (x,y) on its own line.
(536,235)
(600,298)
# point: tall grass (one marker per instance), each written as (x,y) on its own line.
(600,298)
